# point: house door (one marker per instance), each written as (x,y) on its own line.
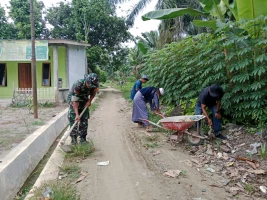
(25,75)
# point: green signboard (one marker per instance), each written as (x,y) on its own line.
(21,50)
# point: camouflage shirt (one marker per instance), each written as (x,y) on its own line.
(79,92)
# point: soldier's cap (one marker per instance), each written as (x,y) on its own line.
(91,79)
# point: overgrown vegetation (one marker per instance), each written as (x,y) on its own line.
(72,170)
(61,191)
(188,107)
(234,57)
(82,150)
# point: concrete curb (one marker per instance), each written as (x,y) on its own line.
(52,167)
(18,164)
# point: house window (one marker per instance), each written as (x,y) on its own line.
(46,81)
(3,75)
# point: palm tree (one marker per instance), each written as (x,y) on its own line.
(170,30)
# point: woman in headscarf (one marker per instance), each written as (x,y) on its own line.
(146,95)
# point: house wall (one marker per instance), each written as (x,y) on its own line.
(12,76)
(61,65)
(77,64)
(12,72)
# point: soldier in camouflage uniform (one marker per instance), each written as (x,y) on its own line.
(78,98)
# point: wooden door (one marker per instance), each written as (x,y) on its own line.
(25,75)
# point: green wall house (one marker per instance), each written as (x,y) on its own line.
(58,64)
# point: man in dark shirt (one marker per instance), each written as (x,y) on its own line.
(211,97)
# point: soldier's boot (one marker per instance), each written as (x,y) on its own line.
(74,139)
(83,139)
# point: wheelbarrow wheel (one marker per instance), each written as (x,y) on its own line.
(176,138)
(195,141)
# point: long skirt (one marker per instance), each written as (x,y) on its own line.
(140,110)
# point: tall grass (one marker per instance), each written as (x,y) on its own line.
(61,191)
(82,150)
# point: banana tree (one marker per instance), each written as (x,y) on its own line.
(135,60)
(218,10)
(148,41)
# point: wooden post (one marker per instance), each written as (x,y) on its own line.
(55,62)
(34,86)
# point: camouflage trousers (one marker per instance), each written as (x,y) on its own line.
(80,128)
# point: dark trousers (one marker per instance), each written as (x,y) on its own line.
(216,122)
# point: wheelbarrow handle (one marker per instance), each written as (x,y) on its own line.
(201,137)
(157,125)
(160,115)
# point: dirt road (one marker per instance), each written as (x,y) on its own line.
(134,173)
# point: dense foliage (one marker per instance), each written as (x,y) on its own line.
(234,57)
(62,19)
(20,14)
(7,30)
(96,23)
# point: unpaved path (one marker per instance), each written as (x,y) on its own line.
(134,173)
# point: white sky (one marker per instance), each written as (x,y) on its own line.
(139,25)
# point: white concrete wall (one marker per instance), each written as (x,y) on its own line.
(23,159)
(77,64)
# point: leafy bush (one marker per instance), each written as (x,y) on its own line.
(102,75)
(188,107)
(233,57)
(130,79)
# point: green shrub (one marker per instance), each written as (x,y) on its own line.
(233,57)
(188,107)
(130,79)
